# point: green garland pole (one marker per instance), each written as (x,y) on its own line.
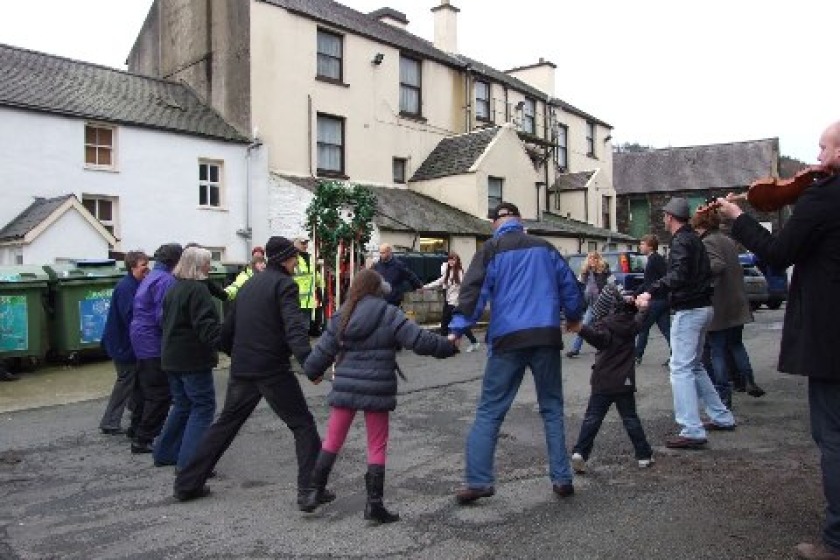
(327,226)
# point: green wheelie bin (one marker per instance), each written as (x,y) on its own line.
(80,295)
(23,314)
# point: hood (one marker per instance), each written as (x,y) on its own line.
(366,317)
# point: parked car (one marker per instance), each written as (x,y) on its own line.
(756,286)
(777,280)
(627,267)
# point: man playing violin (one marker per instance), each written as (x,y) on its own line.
(810,240)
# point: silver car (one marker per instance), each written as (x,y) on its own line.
(756,287)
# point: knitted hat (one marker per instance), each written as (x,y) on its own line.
(609,300)
(279,249)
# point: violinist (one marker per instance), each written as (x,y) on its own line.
(810,240)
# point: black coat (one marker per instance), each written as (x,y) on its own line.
(265,326)
(614,336)
(191,328)
(655,269)
(688,282)
(366,358)
(810,240)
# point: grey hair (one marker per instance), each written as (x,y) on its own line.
(192,261)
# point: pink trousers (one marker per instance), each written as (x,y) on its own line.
(377,432)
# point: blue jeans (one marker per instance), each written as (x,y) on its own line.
(577,343)
(690,382)
(824,403)
(596,410)
(193,407)
(659,313)
(721,342)
(502,377)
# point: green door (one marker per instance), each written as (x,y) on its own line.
(639,217)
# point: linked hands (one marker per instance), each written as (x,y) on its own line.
(642,301)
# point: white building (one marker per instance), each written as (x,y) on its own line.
(144,156)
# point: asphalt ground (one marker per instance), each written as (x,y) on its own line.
(68,492)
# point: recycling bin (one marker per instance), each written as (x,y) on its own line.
(23,313)
(80,297)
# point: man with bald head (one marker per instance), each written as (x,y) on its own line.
(810,240)
(396,273)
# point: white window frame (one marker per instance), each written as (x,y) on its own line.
(98,147)
(112,224)
(207,183)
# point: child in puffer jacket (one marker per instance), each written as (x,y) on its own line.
(616,322)
(362,339)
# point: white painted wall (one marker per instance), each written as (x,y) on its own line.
(155,180)
(72,237)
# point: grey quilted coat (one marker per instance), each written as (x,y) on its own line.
(366,357)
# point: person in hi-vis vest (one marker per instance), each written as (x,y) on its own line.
(309,283)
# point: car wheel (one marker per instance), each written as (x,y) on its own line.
(774,304)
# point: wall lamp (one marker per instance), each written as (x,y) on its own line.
(377,59)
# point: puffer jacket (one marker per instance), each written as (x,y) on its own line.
(366,355)
(614,336)
(688,281)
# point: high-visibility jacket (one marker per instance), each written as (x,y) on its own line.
(241,278)
(304,279)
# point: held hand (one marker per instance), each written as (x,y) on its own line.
(573,326)
(727,208)
(642,303)
(455,340)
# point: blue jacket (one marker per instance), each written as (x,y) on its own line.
(147,323)
(115,338)
(396,273)
(530,288)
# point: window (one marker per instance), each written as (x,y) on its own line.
(330,145)
(606,202)
(399,166)
(529,110)
(210,184)
(494,192)
(103,210)
(330,55)
(99,146)
(590,139)
(217,254)
(561,154)
(592,246)
(410,85)
(482,101)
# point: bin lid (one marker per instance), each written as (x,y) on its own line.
(84,270)
(22,274)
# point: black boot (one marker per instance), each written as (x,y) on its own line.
(317,492)
(754,390)
(375,482)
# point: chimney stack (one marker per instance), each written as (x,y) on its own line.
(446,27)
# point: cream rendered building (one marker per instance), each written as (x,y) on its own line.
(333,93)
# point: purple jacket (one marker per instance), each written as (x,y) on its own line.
(147,322)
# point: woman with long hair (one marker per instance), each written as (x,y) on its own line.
(191,330)
(362,339)
(594,274)
(451,275)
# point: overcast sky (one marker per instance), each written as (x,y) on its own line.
(662,72)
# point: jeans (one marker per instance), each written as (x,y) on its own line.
(577,343)
(285,397)
(596,410)
(193,407)
(502,377)
(659,313)
(120,395)
(721,342)
(690,382)
(824,402)
(446,318)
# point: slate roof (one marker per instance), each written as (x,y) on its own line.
(405,210)
(52,84)
(32,217)
(367,25)
(714,166)
(455,155)
(389,13)
(567,227)
(572,181)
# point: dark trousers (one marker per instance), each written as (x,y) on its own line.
(446,318)
(285,397)
(659,314)
(596,410)
(120,395)
(824,402)
(152,390)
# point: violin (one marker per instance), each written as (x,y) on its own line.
(771,194)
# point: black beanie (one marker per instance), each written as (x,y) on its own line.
(279,249)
